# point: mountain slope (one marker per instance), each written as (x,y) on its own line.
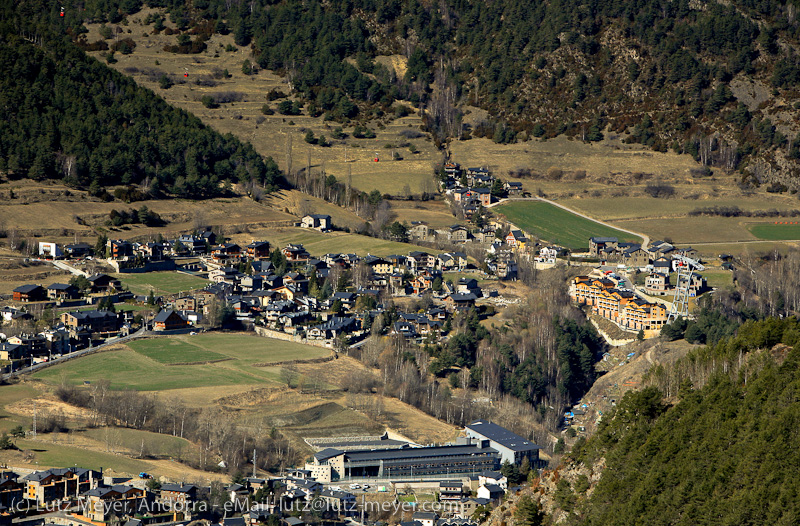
(712,79)
(724,454)
(68,116)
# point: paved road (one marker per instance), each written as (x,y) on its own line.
(69,268)
(75,354)
(645,237)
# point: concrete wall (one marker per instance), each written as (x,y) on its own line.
(151,266)
(611,341)
(280,335)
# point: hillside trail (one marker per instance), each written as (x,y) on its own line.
(645,237)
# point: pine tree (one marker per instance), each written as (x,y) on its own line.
(528,513)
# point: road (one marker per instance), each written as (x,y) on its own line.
(72,355)
(645,237)
(69,268)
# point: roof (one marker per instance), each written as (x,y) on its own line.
(60,286)
(415,453)
(501,435)
(102,491)
(164,315)
(26,289)
(493,488)
(425,515)
(463,297)
(178,488)
(342,495)
(89,314)
(327,453)
(293,521)
(450,484)
(41,475)
(494,475)
(603,240)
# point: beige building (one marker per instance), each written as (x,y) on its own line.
(328,465)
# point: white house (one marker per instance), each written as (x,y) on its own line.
(321,222)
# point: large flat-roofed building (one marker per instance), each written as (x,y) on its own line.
(510,446)
(412,462)
(357,443)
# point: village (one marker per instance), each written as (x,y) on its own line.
(335,300)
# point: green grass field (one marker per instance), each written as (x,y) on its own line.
(161,282)
(60,456)
(133,439)
(8,395)
(718,278)
(773,232)
(168,350)
(318,243)
(557,225)
(129,369)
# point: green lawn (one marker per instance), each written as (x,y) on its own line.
(161,282)
(556,225)
(8,395)
(133,439)
(61,456)
(168,350)
(774,232)
(318,243)
(134,369)
(718,278)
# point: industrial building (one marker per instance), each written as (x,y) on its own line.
(511,447)
(485,447)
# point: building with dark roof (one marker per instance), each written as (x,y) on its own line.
(78,249)
(29,293)
(511,447)
(102,322)
(104,283)
(411,463)
(168,320)
(103,503)
(44,487)
(62,291)
(317,221)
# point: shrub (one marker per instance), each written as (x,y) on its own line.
(660,190)
(209,102)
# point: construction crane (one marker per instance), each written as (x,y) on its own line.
(680,305)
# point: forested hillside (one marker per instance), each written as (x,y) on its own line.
(715,79)
(67,116)
(725,453)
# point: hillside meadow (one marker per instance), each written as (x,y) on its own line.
(395,138)
(557,225)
